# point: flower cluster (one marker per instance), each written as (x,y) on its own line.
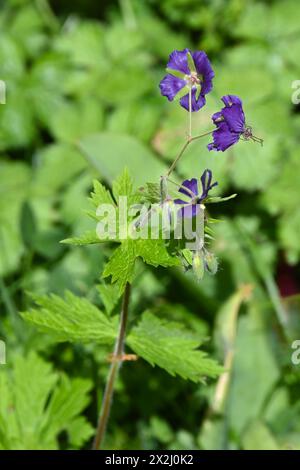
(189,79)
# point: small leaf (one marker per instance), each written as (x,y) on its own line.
(123,186)
(88,238)
(188,255)
(212,200)
(101,195)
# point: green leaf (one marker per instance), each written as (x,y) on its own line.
(79,431)
(57,164)
(83,44)
(71,319)
(188,256)
(216,199)
(69,398)
(138,119)
(17,126)
(27,225)
(123,186)
(88,238)
(15,179)
(252,347)
(34,391)
(72,121)
(259,437)
(37,405)
(109,296)
(154,252)
(282,198)
(11,58)
(109,152)
(169,346)
(121,265)
(101,195)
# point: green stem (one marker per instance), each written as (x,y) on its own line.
(190,113)
(128,13)
(47,14)
(113,372)
(179,186)
(187,143)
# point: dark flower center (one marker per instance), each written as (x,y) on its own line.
(247,134)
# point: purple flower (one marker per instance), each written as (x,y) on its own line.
(188,71)
(231,126)
(190,209)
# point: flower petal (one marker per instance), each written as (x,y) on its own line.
(206,179)
(170,86)
(204,68)
(178,61)
(217,118)
(191,185)
(223,138)
(229,100)
(197,103)
(235,118)
(206,184)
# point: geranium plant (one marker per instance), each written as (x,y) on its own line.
(165,223)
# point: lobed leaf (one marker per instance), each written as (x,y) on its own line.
(169,346)
(71,319)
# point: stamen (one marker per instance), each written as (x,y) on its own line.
(257,139)
(247,134)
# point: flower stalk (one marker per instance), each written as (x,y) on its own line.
(116,361)
(187,143)
(190,113)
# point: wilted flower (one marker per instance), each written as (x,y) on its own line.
(231,126)
(188,71)
(190,189)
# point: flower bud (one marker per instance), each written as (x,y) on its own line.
(163,188)
(211,263)
(198,265)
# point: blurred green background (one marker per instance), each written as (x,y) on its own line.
(83,102)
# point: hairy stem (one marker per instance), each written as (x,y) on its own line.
(113,372)
(190,113)
(190,139)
